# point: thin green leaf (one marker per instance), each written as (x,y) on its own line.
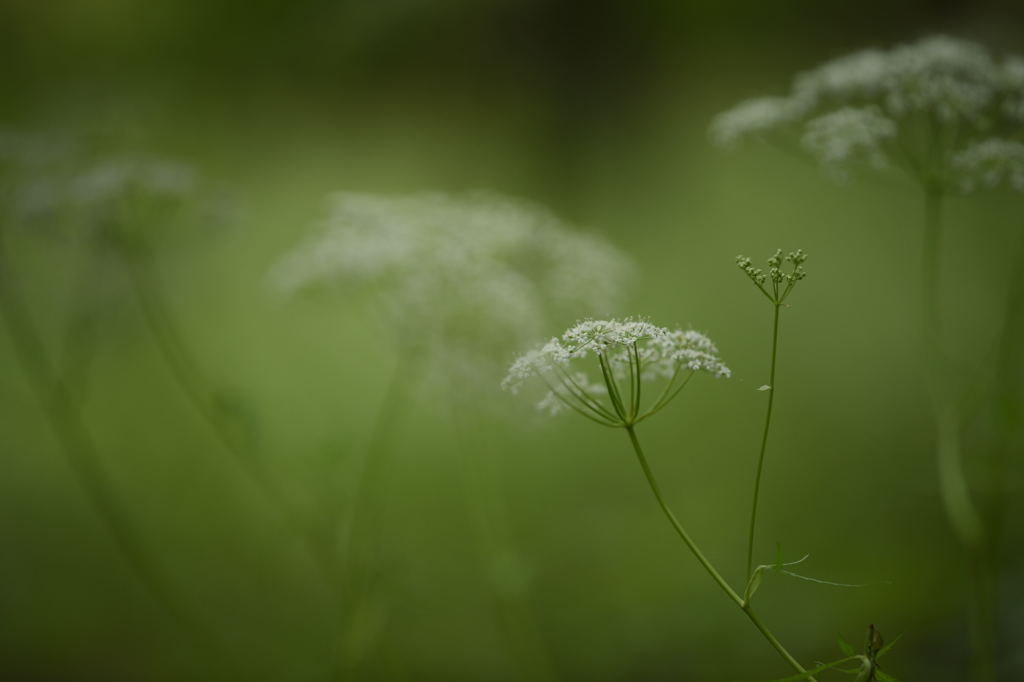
(822,582)
(755,578)
(755,582)
(885,649)
(845,646)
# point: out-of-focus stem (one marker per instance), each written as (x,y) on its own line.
(952,482)
(77,444)
(369,458)
(366,462)
(178,358)
(954,489)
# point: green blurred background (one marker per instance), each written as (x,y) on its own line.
(560,567)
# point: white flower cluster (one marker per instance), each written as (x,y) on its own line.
(867,108)
(942,75)
(682,349)
(1013,85)
(46,176)
(469,273)
(627,350)
(991,163)
(753,117)
(845,135)
(605,337)
(112,180)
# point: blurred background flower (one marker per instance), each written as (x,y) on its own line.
(913,107)
(600,115)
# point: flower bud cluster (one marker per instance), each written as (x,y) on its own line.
(777,282)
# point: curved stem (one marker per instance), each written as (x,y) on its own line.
(399,388)
(666,396)
(77,444)
(178,358)
(773,640)
(357,520)
(580,394)
(712,571)
(764,441)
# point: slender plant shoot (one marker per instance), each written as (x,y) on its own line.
(776,285)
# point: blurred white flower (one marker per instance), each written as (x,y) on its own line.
(48,180)
(468,275)
(755,116)
(112,180)
(627,352)
(863,74)
(848,135)
(949,77)
(911,107)
(1013,85)
(990,164)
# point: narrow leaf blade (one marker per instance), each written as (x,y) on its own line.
(845,646)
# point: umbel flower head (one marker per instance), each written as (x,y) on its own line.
(113,180)
(50,180)
(467,275)
(121,197)
(915,108)
(623,356)
(991,163)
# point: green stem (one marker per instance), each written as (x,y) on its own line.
(1007,445)
(77,444)
(357,531)
(764,441)
(613,389)
(368,459)
(954,489)
(1008,402)
(581,394)
(666,397)
(715,575)
(953,485)
(178,358)
(635,367)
